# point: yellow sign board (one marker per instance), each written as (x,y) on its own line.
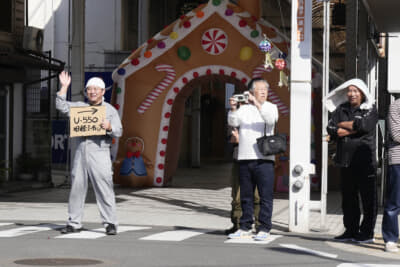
(86,121)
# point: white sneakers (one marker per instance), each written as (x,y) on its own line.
(239,234)
(242,234)
(391,247)
(261,236)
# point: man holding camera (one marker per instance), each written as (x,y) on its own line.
(255,169)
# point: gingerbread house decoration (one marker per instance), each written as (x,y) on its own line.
(152,84)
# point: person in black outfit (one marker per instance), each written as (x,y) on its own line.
(352,126)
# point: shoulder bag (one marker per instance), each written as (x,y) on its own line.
(272,144)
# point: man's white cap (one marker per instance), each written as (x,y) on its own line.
(95,81)
(338,96)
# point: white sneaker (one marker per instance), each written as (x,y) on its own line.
(239,234)
(391,247)
(261,236)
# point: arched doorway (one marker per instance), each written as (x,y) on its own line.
(203,130)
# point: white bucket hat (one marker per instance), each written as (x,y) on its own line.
(339,95)
(95,81)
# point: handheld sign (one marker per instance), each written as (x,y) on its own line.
(86,121)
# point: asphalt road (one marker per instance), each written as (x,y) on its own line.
(32,244)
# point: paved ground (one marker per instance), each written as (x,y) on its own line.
(197,198)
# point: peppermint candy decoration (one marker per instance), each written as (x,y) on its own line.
(280,63)
(265,46)
(214,41)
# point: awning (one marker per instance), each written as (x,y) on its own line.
(14,65)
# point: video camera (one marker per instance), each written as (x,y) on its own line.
(241,97)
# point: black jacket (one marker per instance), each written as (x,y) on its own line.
(358,148)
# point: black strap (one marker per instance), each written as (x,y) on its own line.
(265,129)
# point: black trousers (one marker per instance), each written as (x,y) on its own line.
(360,181)
(258,173)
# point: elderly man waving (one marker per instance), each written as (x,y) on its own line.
(92,159)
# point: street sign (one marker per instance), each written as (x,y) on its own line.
(85,121)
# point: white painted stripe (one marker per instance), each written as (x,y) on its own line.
(5,224)
(359,264)
(177,235)
(100,232)
(28,230)
(309,251)
(252,241)
(91,234)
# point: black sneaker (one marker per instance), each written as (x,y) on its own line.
(364,239)
(345,237)
(69,229)
(111,230)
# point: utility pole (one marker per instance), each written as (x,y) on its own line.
(77,57)
(78,50)
(300,117)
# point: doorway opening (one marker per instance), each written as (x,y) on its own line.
(204,130)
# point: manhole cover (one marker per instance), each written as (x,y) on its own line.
(57,262)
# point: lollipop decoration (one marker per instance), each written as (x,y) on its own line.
(280,64)
(265,46)
(214,41)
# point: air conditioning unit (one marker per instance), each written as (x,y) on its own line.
(33,39)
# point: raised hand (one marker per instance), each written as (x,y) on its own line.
(65,80)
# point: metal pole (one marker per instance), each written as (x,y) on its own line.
(77,58)
(78,50)
(325,91)
(196,130)
(143,25)
(49,125)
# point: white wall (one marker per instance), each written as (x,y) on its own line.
(393,63)
(40,15)
(103,28)
(61,27)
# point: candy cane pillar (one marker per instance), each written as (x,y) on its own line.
(300,117)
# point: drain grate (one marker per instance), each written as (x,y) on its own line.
(57,262)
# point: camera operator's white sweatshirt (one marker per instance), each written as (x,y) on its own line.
(251,123)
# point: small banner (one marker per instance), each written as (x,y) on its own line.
(86,121)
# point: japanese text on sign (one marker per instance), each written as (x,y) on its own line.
(300,20)
(86,121)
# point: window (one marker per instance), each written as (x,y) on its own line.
(131,24)
(6,15)
(142,19)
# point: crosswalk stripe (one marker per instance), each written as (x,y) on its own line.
(367,265)
(5,224)
(177,235)
(100,232)
(252,241)
(309,251)
(28,230)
